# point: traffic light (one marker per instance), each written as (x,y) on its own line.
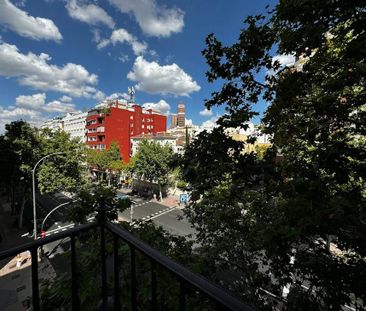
(43,234)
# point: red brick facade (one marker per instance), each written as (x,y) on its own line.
(118,123)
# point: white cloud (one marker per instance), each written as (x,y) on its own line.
(210,124)
(99,95)
(153,19)
(33,109)
(89,13)
(35,71)
(58,106)
(34,102)
(66,99)
(122,36)
(161,106)
(37,103)
(117,96)
(206,113)
(23,24)
(123,58)
(155,79)
(285,60)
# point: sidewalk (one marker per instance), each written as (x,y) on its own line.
(11,235)
(16,281)
(15,275)
(171,201)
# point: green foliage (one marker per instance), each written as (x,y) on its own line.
(103,160)
(94,198)
(62,171)
(56,293)
(255,212)
(152,162)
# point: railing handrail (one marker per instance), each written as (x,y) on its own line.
(198,281)
(48,239)
(214,292)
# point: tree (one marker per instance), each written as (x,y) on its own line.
(271,221)
(106,161)
(152,163)
(24,146)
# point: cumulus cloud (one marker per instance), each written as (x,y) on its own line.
(284,59)
(122,36)
(117,96)
(206,113)
(33,109)
(161,106)
(154,20)
(23,24)
(35,71)
(210,124)
(66,99)
(89,13)
(155,79)
(37,103)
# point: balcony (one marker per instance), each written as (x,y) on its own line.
(189,282)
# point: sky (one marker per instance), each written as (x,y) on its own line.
(59,56)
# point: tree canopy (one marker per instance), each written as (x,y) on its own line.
(269,220)
(23,147)
(152,162)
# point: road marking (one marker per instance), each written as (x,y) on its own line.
(162,213)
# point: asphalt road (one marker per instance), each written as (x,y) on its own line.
(167,217)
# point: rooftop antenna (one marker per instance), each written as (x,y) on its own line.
(131,93)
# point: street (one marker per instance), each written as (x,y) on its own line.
(161,215)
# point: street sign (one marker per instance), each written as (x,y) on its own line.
(183,198)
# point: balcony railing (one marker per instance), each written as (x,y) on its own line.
(222,299)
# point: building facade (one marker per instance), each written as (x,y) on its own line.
(74,124)
(118,121)
(181,118)
(163,139)
(173,121)
(55,124)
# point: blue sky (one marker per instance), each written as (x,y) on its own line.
(63,55)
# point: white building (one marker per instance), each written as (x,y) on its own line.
(164,139)
(55,124)
(74,124)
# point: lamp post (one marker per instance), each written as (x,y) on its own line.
(57,207)
(34,191)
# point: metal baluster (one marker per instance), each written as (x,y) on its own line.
(74,293)
(35,287)
(104,275)
(133,279)
(182,296)
(153,285)
(117,304)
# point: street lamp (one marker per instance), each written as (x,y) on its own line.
(34,191)
(57,207)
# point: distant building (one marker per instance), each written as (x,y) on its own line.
(163,139)
(181,118)
(119,120)
(174,121)
(74,124)
(55,124)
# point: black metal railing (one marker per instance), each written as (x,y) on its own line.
(222,299)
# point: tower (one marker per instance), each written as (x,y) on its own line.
(181,118)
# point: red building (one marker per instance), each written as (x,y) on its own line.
(118,122)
